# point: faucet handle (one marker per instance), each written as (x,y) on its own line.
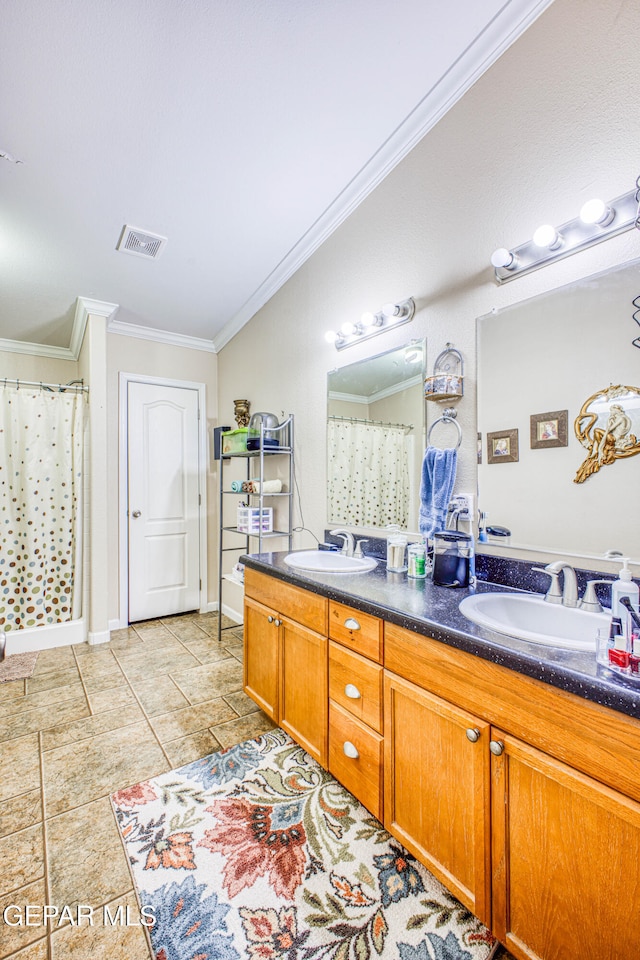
(590,601)
(553,594)
(358,550)
(345,541)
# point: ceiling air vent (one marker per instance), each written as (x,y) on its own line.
(141,243)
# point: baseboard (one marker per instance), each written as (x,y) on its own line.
(33,639)
(235,615)
(118,624)
(101,636)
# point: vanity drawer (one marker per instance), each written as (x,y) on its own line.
(309,609)
(361,773)
(350,675)
(356,630)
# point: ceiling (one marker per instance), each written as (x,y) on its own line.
(243,131)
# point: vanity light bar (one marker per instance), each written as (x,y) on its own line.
(597,221)
(371,324)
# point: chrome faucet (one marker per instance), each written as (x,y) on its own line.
(569,595)
(347,536)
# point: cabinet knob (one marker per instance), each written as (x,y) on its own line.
(351,624)
(352,692)
(277,622)
(496,747)
(350,750)
(473,734)
(270,618)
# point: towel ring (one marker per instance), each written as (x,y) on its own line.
(449,416)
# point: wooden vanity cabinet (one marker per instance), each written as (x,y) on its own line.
(355,705)
(285,658)
(563,795)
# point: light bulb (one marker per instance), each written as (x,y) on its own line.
(391,310)
(331,336)
(348,328)
(596,211)
(368,319)
(547,236)
(503,258)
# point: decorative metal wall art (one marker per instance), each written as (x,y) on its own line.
(608,426)
(241,412)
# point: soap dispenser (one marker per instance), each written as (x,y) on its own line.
(624,586)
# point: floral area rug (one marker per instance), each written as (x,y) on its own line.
(257,852)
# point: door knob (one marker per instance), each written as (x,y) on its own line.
(136,514)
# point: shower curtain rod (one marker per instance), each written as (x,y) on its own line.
(377,423)
(60,387)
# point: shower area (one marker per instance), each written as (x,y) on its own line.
(42,495)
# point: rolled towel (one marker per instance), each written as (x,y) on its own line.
(269,486)
(236,486)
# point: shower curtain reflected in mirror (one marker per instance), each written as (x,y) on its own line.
(41,477)
(368,473)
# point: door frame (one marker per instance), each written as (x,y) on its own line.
(123,470)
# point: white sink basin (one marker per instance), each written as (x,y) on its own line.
(532,618)
(327,561)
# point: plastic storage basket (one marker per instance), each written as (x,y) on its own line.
(234,441)
(255,520)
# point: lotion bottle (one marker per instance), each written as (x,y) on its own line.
(624,587)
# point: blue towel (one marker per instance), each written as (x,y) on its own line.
(436,487)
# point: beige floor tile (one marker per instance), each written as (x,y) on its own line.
(58,658)
(21,858)
(187,749)
(104,941)
(108,681)
(113,698)
(241,703)
(244,728)
(19,766)
(79,730)
(43,717)
(180,723)
(124,638)
(105,763)
(159,695)
(17,813)
(11,689)
(210,680)
(15,937)
(32,701)
(156,665)
(52,678)
(79,845)
(209,623)
(186,630)
(35,951)
(97,664)
(207,650)
(151,631)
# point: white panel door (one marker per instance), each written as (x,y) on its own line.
(163,500)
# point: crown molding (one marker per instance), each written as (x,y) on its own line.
(508,24)
(36,349)
(160,336)
(84,308)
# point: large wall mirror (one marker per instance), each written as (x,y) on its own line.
(375,439)
(542,364)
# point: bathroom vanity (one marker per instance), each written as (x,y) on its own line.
(511,771)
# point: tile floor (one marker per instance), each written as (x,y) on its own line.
(90,721)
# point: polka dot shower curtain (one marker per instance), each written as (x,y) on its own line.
(368,473)
(41,441)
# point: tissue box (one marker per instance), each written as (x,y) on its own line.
(234,441)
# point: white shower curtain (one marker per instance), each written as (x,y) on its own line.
(368,473)
(41,448)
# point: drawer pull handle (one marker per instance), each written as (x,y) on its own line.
(496,747)
(352,692)
(351,624)
(473,734)
(350,750)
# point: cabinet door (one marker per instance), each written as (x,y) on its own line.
(437,788)
(566,855)
(261,656)
(304,686)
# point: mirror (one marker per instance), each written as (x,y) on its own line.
(375,439)
(550,372)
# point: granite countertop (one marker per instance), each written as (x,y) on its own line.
(421,606)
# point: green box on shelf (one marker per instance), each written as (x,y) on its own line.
(234,441)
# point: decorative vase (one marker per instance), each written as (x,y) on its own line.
(241,412)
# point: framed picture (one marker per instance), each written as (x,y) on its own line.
(502,446)
(549,429)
